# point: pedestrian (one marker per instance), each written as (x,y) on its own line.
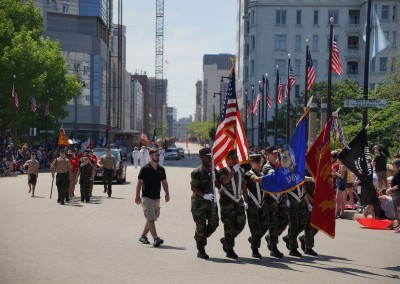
(142,156)
(380,164)
(232,205)
(135,157)
(341,184)
(204,212)
(10,159)
(257,213)
(108,162)
(150,179)
(162,155)
(62,167)
(394,191)
(33,172)
(86,175)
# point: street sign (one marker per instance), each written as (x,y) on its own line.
(365,103)
(44,131)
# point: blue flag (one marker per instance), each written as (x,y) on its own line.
(291,170)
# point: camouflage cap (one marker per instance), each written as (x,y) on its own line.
(255,158)
(205,151)
(271,150)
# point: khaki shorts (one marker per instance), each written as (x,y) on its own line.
(151,208)
(381,176)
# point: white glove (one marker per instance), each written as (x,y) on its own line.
(287,203)
(309,207)
(236,167)
(246,206)
(208,196)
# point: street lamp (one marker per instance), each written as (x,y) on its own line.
(220,101)
(252,117)
(276,107)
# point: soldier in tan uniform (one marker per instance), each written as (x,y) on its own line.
(33,172)
(108,162)
(62,167)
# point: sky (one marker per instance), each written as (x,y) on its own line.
(191,29)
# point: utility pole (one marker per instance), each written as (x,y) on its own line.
(366,60)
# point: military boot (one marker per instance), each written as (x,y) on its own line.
(302,243)
(256,253)
(222,240)
(310,251)
(275,252)
(286,240)
(202,253)
(230,253)
(295,252)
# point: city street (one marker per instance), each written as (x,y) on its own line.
(44,242)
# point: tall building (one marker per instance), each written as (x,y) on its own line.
(158,105)
(216,69)
(147,115)
(137,106)
(197,115)
(180,128)
(171,118)
(268,30)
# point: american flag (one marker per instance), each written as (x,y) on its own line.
(249,110)
(47,109)
(280,87)
(15,97)
(33,102)
(267,95)
(256,103)
(230,133)
(143,136)
(292,81)
(336,65)
(310,71)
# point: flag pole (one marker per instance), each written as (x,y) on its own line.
(306,87)
(14,116)
(47,119)
(288,103)
(329,99)
(33,115)
(276,107)
(252,115)
(366,60)
(266,91)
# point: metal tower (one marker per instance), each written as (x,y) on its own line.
(159,71)
(119,71)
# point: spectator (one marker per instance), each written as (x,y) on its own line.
(394,191)
(387,207)
(379,163)
(341,183)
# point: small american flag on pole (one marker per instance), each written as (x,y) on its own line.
(311,77)
(230,133)
(15,96)
(257,103)
(33,102)
(292,81)
(336,65)
(47,109)
(267,94)
(280,88)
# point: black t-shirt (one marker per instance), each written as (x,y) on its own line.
(396,180)
(380,162)
(152,179)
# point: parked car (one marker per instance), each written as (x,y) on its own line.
(172,154)
(181,152)
(120,177)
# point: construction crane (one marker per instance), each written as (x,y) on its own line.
(159,66)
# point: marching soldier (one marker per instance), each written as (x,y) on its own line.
(257,213)
(278,217)
(233,207)
(62,167)
(86,175)
(108,162)
(204,213)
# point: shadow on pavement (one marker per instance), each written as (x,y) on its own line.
(37,196)
(267,262)
(170,247)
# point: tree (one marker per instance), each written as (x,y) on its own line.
(35,61)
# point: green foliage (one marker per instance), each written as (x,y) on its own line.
(34,61)
(200,128)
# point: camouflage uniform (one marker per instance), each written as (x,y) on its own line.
(232,213)
(85,181)
(278,212)
(297,219)
(309,231)
(257,217)
(205,215)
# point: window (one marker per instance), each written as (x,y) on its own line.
(252,66)
(297,67)
(316,14)
(247,27)
(383,64)
(246,72)
(385,12)
(372,66)
(247,50)
(297,91)
(352,67)
(315,42)
(335,15)
(394,13)
(253,42)
(297,45)
(393,43)
(386,33)
(280,42)
(253,17)
(298,17)
(281,63)
(280,17)
(65,8)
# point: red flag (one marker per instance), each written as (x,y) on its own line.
(62,139)
(311,77)
(230,133)
(143,136)
(323,212)
(336,65)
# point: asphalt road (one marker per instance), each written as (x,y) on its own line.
(43,242)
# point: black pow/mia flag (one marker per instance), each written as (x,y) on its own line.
(357,159)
